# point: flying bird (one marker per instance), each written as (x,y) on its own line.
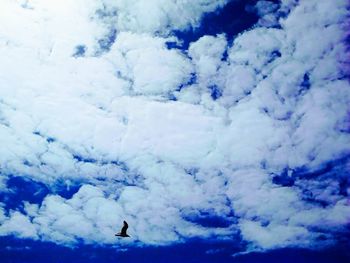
(123,231)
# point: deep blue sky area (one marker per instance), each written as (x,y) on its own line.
(232,19)
(15,250)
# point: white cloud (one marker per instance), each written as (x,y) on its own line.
(153,68)
(104,120)
(274,236)
(206,53)
(156,16)
(19,225)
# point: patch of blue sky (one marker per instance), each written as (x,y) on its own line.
(334,168)
(79,51)
(331,167)
(107,41)
(312,182)
(215,92)
(24,189)
(207,220)
(232,19)
(22,250)
(83,159)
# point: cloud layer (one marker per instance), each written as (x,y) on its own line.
(246,140)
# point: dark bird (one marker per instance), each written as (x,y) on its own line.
(123,231)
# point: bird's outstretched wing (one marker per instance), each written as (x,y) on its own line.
(124,228)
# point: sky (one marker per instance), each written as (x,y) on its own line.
(218,129)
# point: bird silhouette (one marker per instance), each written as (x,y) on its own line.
(122,232)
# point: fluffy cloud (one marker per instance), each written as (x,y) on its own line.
(159,17)
(220,140)
(19,225)
(153,69)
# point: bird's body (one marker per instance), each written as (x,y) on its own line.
(123,231)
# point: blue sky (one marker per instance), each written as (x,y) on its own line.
(220,130)
(192,251)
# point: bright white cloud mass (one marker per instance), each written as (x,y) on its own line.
(248,139)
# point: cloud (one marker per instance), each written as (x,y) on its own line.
(135,15)
(207,53)
(248,139)
(155,70)
(274,236)
(19,225)
(266,10)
